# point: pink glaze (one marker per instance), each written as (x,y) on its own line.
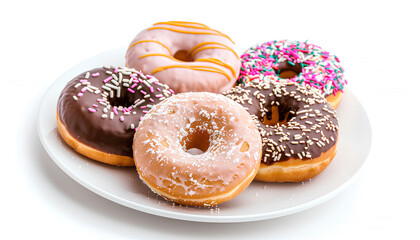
(185,121)
(171,37)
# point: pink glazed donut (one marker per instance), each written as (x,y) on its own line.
(218,126)
(187,56)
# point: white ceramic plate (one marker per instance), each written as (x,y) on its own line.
(259,201)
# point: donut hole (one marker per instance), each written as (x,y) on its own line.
(287,70)
(276,116)
(125,100)
(184,56)
(196,143)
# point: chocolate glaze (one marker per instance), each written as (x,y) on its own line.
(310,129)
(88,117)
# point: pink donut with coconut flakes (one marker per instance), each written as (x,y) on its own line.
(187,56)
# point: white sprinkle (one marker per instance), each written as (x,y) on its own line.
(115,82)
(106,88)
(119,92)
(139,103)
(146,83)
(111,86)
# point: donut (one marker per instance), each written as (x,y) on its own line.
(300,62)
(187,56)
(98,111)
(226,141)
(298,127)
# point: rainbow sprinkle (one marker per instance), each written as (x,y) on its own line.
(320,69)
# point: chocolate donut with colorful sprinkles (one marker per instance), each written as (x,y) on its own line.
(99,110)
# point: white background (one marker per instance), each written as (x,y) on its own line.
(377,42)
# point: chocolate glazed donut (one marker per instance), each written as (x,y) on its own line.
(98,111)
(299,128)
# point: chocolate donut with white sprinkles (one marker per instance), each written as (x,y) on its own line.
(98,111)
(298,127)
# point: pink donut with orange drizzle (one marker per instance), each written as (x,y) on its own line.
(187,56)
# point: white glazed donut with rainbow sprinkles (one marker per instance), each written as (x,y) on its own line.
(301,62)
